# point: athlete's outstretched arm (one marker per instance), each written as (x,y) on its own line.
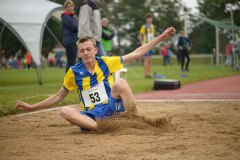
(54,99)
(141,51)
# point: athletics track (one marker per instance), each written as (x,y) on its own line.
(227,88)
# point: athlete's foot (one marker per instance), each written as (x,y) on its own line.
(183,70)
(186,70)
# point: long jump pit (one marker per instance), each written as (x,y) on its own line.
(159,130)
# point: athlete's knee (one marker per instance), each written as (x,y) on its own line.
(67,112)
(119,85)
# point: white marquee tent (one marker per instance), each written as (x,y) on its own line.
(27,20)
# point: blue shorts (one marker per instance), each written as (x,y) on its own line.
(114,106)
(150,53)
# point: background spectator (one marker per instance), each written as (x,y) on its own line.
(19,58)
(70,30)
(229,51)
(146,34)
(10,62)
(29,60)
(3,61)
(184,46)
(166,53)
(107,36)
(90,23)
(51,59)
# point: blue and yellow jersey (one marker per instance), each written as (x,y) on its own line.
(148,32)
(79,78)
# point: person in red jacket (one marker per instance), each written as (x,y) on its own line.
(164,53)
(229,51)
(29,59)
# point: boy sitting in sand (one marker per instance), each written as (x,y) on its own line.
(100,97)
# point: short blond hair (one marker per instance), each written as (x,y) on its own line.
(85,39)
(105,19)
(67,2)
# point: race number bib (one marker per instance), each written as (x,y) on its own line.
(150,37)
(95,95)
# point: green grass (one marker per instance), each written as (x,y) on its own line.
(23,84)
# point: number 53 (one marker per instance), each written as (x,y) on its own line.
(94,97)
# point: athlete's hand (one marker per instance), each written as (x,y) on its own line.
(168,32)
(24,105)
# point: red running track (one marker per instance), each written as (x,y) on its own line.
(227,88)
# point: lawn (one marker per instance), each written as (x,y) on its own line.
(23,84)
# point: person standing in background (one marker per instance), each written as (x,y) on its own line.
(146,34)
(70,30)
(15,63)
(29,60)
(229,52)
(107,36)
(184,46)
(10,62)
(51,59)
(90,23)
(3,61)
(19,58)
(164,53)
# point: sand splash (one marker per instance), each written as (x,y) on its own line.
(131,119)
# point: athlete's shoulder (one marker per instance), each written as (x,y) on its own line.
(80,67)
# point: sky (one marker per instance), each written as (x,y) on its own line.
(191,4)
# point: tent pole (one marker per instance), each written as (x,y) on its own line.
(234,53)
(217,47)
(50,31)
(39,74)
(186,25)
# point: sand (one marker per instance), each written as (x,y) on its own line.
(161,130)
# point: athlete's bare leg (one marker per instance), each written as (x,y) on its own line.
(147,65)
(73,115)
(121,90)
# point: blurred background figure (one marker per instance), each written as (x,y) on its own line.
(28,60)
(19,58)
(3,60)
(58,57)
(184,46)
(146,34)
(15,63)
(10,62)
(179,56)
(166,53)
(51,59)
(107,36)
(90,23)
(70,30)
(229,52)
(214,56)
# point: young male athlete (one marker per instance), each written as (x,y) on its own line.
(99,95)
(146,34)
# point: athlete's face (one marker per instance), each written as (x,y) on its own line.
(149,20)
(87,51)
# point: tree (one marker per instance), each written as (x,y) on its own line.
(126,17)
(205,34)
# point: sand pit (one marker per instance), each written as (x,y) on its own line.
(180,130)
